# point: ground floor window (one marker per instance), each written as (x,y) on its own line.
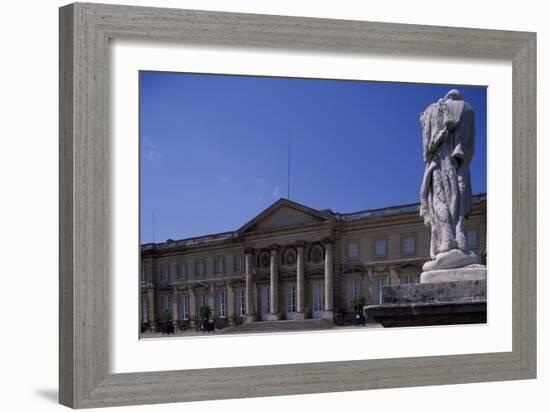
(184,306)
(265,301)
(240,302)
(353,290)
(317,297)
(220,303)
(200,301)
(164,304)
(408,279)
(291,298)
(379,284)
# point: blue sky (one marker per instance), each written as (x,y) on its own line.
(214,148)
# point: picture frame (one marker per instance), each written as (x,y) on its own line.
(85,32)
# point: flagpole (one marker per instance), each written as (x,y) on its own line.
(153,214)
(288,170)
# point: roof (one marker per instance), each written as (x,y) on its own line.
(393,210)
(282,202)
(322,214)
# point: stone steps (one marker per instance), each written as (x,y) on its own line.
(281,326)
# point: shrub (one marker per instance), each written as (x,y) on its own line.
(205,312)
(357,304)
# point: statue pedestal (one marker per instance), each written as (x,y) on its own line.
(440,303)
(470,272)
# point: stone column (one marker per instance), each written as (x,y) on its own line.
(300,282)
(151,301)
(369,291)
(394,277)
(249,288)
(369,296)
(329,281)
(230,304)
(142,317)
(211,300)
(175,316)
(192,307)
(274,313)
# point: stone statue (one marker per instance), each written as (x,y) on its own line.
(446,195)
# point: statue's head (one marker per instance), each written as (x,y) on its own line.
(453,94)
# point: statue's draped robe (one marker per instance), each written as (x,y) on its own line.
(446,193)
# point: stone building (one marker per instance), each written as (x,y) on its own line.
(290,262)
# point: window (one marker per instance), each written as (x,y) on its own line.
(199,268)
(144,308)
(353,290)
(164,303)
(380,248)
(471,239)
(220,303)
(408,279)
(239,264)
(408,246)
(240,302)
(200,301)
(317,292)
(379,284)
(146,271)
(164,273)
(182,270)
(184,306)
(265,301)
(353,251)
(291,299)
(219,265)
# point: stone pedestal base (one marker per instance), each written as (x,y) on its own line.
(328,315)
(299,316)
(273,316)
(249,318)
(471,272)
(440,303)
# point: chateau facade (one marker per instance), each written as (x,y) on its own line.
(290,262)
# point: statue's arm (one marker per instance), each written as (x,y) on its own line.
(465,148)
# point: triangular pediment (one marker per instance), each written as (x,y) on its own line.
(285,213)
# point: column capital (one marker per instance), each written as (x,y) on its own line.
(249,251)
(299,243)
(275,247)
(328,240)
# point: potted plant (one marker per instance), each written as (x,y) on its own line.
(167,325)
(205,312)
(357,305)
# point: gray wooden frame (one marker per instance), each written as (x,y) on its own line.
(85,30)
